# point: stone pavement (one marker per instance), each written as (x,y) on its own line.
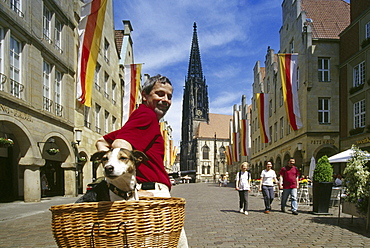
(212,220)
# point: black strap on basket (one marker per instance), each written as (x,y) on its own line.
(125,241)
(92,243)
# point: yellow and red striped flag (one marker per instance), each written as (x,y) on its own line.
(262,106)
(174,154)
(132,89)
(243,138)
(235,147)
(228,155)
(288,71)
(90,31)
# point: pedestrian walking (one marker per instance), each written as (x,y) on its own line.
(268,177)
(243,179)
(289,176)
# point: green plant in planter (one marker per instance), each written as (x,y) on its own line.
(357,177)
(323,171)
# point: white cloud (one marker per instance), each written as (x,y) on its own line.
(232,34)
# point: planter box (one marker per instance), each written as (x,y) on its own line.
(321,197)
(350,208)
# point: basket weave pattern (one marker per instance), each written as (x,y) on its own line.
(149,222)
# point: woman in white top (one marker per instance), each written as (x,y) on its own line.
(243,178)
(268,176)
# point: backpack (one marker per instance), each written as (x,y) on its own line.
(248,175)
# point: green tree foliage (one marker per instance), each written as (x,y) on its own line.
(323,171)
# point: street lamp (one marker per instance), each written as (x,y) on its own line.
(78,134)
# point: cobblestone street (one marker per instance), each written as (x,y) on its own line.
(212,220)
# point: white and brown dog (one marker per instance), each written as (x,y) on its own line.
(120,176)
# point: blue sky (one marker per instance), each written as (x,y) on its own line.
(233,35)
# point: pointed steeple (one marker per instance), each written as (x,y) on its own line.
(194,107)
(195,65)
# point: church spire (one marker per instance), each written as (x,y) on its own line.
(194,107)
(195,65)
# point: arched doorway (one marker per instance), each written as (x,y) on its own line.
(11,176)
(55,152)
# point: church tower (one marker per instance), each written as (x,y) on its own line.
(194,106)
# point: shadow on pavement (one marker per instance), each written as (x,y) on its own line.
(358,225)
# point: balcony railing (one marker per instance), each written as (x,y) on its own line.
(97,87)
(16,10)
(87,124)
(98,129)
(47,103)
(106,95)
(58,109)
(2,81)
(16,88)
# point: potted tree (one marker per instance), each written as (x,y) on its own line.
(357,178)
(322,186)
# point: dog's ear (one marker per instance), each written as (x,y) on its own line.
(98,155)
(140,157)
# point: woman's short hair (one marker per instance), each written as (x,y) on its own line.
(150,82)
(244,163)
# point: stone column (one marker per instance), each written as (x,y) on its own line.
(32,184)
(69,179)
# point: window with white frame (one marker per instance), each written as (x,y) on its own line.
(97,118)
(359,114)
(97,76)
(58,93)
(87,122)
(47,24)
(359,74)
(114,121)
(16,6)
(58,35)
(367,30)
(270,134)
(2,75)
(106,82)
(46,86)
(16,86)
(281,98)
(270,108)
(324,110)
(291,45)
(106,121)
(324,69)
(106,50)
(114,88)
(205,152)
(281,127)
(288,127)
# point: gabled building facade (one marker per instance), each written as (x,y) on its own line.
(38,106)
(310,28)
(355,78)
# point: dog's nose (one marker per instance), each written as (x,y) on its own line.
(108,169)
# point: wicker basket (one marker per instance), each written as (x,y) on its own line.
(149,222)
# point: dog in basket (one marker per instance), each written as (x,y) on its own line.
(120,176)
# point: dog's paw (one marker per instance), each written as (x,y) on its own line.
(144,193)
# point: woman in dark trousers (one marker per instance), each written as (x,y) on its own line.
(268,176)
(243,179)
